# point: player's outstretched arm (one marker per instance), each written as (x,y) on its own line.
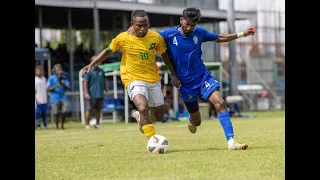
(100,57)
(229,37)
(168,63)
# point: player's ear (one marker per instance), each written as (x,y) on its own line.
(181,20)
(131,25)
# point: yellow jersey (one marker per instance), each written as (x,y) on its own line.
(138,61)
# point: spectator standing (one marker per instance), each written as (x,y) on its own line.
(95,84)
(40,97)
(58,84)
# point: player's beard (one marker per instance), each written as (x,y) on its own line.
(186,32)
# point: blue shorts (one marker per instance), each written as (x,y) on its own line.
(204,89)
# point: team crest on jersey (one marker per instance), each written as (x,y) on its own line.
(152,46)
(195,39)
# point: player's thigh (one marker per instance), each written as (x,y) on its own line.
(137,87)
(54,108)
(64,106)
(192,107)
(155,96)
(209,86)
(138,94)
(190,99)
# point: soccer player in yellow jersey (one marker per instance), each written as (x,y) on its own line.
(138,69)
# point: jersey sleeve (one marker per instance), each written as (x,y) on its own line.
(161,46)
(208,36)
(116,43)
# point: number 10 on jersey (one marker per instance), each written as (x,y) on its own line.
(144,55)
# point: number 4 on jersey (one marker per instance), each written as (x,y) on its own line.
(175,41)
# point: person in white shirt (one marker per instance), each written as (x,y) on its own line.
(41,97)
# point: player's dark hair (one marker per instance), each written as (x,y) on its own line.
(138,13)
(192,14)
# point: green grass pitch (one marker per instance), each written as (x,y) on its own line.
(118,151)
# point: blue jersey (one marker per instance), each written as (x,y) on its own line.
(185,53)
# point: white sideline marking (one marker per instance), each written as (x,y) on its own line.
(61,133)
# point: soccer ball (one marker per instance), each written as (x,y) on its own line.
(158,144)
(93,122)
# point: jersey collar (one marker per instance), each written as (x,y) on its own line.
(177,29)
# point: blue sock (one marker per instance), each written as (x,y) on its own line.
(226,124)
(190,120)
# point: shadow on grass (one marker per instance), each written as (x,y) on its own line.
(216,149)
(203,149)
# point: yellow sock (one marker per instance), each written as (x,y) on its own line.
(148,130)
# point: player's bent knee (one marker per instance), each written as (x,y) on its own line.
(142,108)
(220,105)
(192,107)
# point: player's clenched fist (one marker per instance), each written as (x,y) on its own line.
(175,81)
(249,31)
(86,69)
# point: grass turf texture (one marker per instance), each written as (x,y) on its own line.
(118,151)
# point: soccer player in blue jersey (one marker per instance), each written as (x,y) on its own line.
(184,47)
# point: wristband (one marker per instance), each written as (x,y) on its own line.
(240,35)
